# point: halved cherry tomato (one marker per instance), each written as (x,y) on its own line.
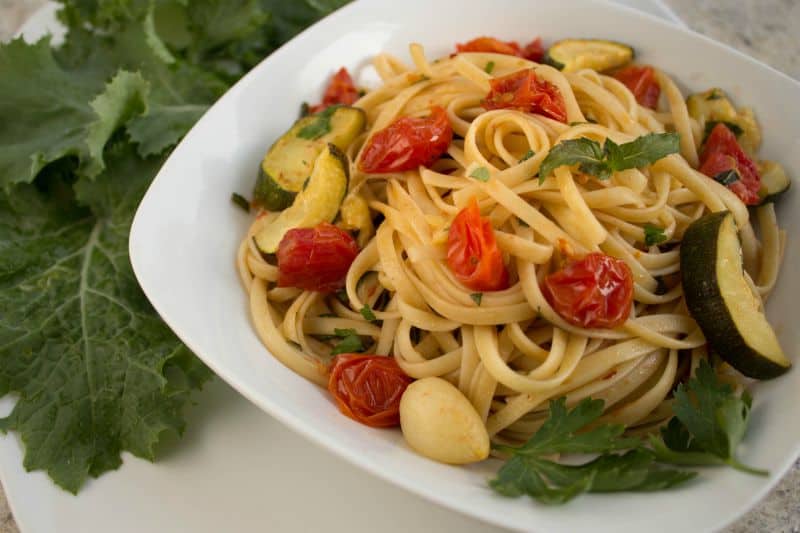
(722,153)
(593,292)
(315,259)
(522,90)
(407,143)
(642,83)
(472,252)
(341,90)
(367,388)
(532,51)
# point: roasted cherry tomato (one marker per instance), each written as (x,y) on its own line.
(315,259)
(472,252)
(367,388)
(722,154)
(642,83)
(593,292)
(533,50)
(341,90)
(522,90)
(407,143)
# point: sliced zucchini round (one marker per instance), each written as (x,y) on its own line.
(774,181)
(288,162)
(721,301)
(318,202)
(570,55)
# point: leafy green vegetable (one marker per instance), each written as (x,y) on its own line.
(727,177)
(530,472)
(710,422)
(367,313)
(477,297)
(653,235)
(320,126)
(527,155)
(480,174)
(96,371)
(350,342)
(489,67)
(612,157)
(240,201)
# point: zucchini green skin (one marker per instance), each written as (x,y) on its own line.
(318,202)
(565,55)
(269,194)
(706,304)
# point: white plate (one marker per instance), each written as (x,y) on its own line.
(236,470)
(182,252)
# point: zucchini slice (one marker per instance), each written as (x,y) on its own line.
(570,55)
(318,202)
(288,162)
(721,301)
(713,105)
(774,181)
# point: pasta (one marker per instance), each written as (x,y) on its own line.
(509,351)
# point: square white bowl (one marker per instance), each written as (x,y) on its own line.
(185,234)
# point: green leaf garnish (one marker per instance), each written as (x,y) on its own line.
(320,126)
(711,124)
(599,161)
(480,174)
(240,201)
(653,235)
(530,472)
(710,422)
(527,155)
(476,297)
(489,67)
(350,342)
(727,177)
(367,313)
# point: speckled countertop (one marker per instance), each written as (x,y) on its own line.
(764,29)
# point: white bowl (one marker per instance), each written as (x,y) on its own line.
(186,232)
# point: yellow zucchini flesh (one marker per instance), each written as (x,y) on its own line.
(601,55)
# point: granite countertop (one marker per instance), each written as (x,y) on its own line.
(760,28)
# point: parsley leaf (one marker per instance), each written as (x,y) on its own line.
(710,422)
(350,342)
(480,174)
(367,313)
(320,126)
(240,201)
(612,157)
(653,235)
(527,155)
(489,67)
(529,472)
(727,177)
(476,297)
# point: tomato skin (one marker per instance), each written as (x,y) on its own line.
(534,51)
(721,153)
(523,91)
(642,83)
(407,143)
(341,90)
(593,292)
(368,388)
(315,259)
(472,252)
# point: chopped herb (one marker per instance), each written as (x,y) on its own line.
(711,124)
(653,235)
(240,201)
(320,126)
(530,472)
(341,295)
(710,422)
(611,157)
(305,109)
(367,313)
(727,177)
(527,155)
(350,342)
(576,123)
(476,297)
(489,67)
(480,174)
(715,94)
